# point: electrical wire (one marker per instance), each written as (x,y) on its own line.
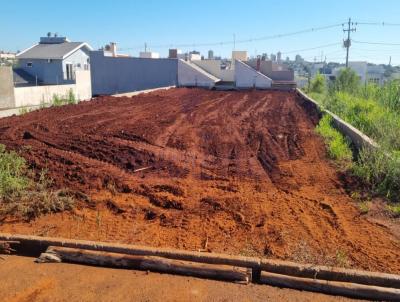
(311,48)
(249,40)
(375,43)
(378,23)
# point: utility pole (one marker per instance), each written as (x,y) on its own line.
(145,47)
(347,43)
(234,41)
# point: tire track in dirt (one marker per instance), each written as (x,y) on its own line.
(243,171)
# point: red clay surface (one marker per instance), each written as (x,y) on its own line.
(233,172)
(22,280)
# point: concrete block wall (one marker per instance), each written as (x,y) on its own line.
(248,77)
(268,68)
(214,67)
(113,75)
(359,139)
(189,74)
(36,95)
(6,87)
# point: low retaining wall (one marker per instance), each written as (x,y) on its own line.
(359,139)
(36,95)
(133,93)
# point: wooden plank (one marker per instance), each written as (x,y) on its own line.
(347,289)
(151,263)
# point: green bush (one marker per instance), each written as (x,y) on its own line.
(338,147)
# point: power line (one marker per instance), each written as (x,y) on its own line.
(311,48)
(377,43)
(234,41)
(378,23)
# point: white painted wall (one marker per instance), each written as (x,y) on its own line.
(149,55)
(36,95)
(190,74)
(214,67)
(247,77)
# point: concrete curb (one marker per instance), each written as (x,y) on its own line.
(358,138)
(133,93)
(352,290)
(39,245)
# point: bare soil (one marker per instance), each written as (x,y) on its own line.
(233,172)
(25,281)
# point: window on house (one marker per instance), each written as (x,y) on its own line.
(29,64)
(69,71)
(78,65)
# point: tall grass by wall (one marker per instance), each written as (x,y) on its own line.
(375,111)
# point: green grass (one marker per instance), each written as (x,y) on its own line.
(23,197)
(375,110)
(12,173)
(69,99)
(394,209)
(363,206)
(338,147)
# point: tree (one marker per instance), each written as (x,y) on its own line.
(318,83)
(347,81)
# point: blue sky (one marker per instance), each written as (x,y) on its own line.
(132,23)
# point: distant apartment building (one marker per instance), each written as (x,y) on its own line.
(149,55)
(368,73)
(54,60)
(7,58)
(210,55)
(7,55)
(279,57)
(239,55)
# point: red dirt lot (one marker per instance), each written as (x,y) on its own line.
(233,172)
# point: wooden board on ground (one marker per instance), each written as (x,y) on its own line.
(150,263)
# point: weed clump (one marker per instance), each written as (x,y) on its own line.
(338,146)
(21,196)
